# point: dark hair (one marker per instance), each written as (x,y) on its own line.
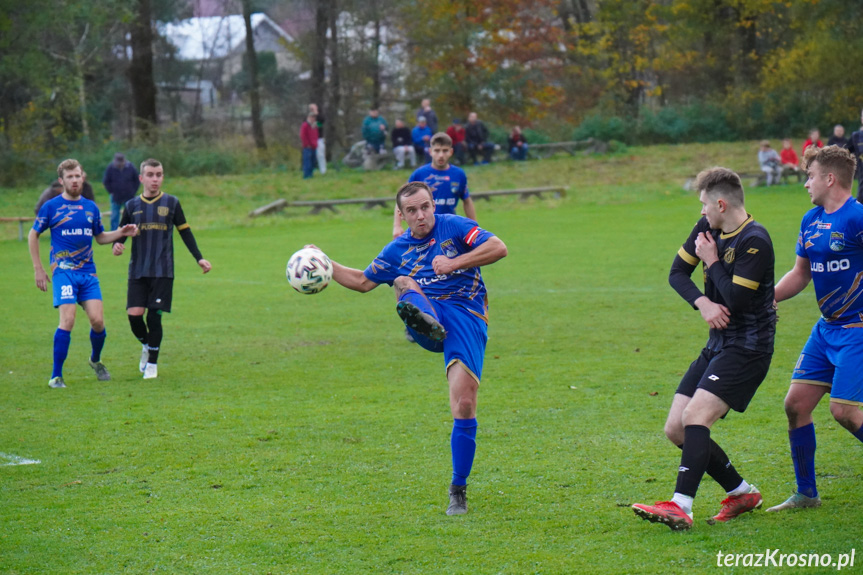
(441,139)
(838,161)
(410,189)
(721,182)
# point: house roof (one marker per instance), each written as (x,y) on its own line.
(214,36)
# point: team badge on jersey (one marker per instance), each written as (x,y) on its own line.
(162,210)
(729,256)
(449,249)
(837,241)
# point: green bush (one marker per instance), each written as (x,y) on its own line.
(603,128)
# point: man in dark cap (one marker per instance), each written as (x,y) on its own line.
(121,181)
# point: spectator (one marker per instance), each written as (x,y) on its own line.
(770,163)
(814,138)
(838,138)
(477,140)
(403,144)
(321,151)
(429,114)
(309,140)
(790,161)
(456,133)
(375,132)
(421,135)
(517,145)
(122,183)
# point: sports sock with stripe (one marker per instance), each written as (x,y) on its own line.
(803,455)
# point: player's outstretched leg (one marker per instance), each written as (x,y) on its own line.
(416,310)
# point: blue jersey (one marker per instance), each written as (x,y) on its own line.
(447,186)
(451,236)
(833,244)
(73,224)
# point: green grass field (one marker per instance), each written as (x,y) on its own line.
(303,434)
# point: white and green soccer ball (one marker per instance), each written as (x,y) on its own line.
(309,271)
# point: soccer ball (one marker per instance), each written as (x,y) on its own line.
(309,271)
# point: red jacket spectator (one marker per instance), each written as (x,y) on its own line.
(457,135)
(789,156)
(309,135)
(809,142)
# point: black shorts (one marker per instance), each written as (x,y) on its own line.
(732,374)
(150,293)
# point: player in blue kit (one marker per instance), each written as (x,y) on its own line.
(447,183)
(830,254)
(435,270)
(74,223)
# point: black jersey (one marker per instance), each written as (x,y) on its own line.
(742,281)
(153,247)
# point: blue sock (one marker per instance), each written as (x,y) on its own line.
(62,338)
(463,443)
(97,341)
(859,433)
(420,301)
(803,455)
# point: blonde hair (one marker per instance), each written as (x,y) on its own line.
(68,166)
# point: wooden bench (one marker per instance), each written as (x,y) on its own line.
(369,203)
(20,221)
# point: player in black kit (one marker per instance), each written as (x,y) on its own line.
(737,304)
(151,267)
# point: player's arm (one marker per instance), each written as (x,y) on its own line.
(352,278)
(795,281)
(189,238)
(490,251)
(111,237)
(685,262)
(469,208)
(714,314)
(38,271)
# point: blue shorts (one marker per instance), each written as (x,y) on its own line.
(74,287)
(466,336)
(832,358)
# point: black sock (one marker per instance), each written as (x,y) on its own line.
(154,339)
(139,328)
(720,469)
(693,462)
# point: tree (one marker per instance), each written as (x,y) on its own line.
(255,91)
(141,72)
